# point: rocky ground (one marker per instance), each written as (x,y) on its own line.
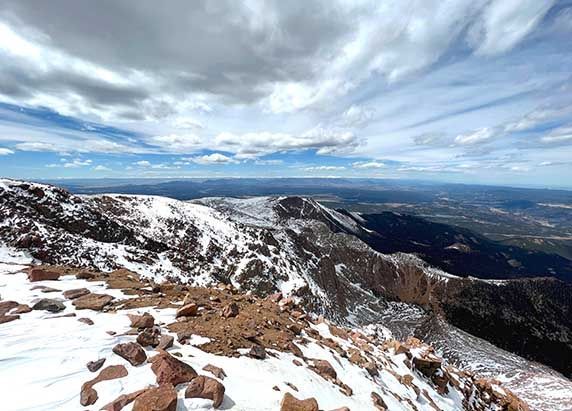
(77,339)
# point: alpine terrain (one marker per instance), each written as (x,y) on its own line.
(149,303)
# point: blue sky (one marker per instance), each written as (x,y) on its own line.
(460,91)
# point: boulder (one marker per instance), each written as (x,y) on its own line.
(88,395)
(42,274)
(206,387)
(170,370)
(76,293)
(427,365)
(93,366)
(230,310)
(49,304)
(7,318)
(258,352)
(189,310)
(85,320)
(214,370)
(324,369)
(131,352)
(162,398)
(120,402)
(165,342)
(291,403)
(149,337)
(378,402)
(21,309)
(141,321)
(92,301)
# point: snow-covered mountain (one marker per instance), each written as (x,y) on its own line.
(298,247)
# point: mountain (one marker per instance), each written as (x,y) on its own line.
(317,255)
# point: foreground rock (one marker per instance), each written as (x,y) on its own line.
(131,352)
(49,304)
(189,310)
(93,366)
(88,394)
(92,301)
(76,293)
(162,398)
(291,403)
(42,274)
(141,321)
(206,387)
(214,370)
(170,370)
(123,400)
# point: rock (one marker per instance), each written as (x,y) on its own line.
(88,395)
(206,387)
(165,342)
(49,304)
(170,370)
(92,301)
(93,366)
(294,349)
(378,402)
(214,370)
(121,401)
(162,398)
(258,352)
(291,403)
(7,318)
(371,369)
(141,321)
(41,274)
(21,309)
(6,306)
(230,310)
(275,297)
(189,310)
(85,320)
(149,337)
(324,369)
(342,409)
(131,352)
(85,275)
(76,293)
(427,365)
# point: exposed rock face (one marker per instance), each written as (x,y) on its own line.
(162,398)
(49,304)
(206,387)
(92,302)
(131,352)
(170,370)
(291,403)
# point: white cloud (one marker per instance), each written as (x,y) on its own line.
(475,137)
(179,143)
(357,116)
(76,163)
(36,146)
(213,159)
(368,164)
(142,163)
(5,151)
(560,135)
(324,168)
(101,168)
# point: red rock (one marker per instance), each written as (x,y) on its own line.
(170,370)
(257,352)
(230,310)
(275,297)
(7,318)
(162,398)
(41,274)
(324,368)
(378,402)
(92,301)
(214,370)
(85,320)
(141,321)
(6,306)
(165,342)
(121,401)
(149,337)
(21,309)
(93,366)
(189,310)
(206,387)
(76,293)
(88,394)
(49,304)
(131,352)
(291,403)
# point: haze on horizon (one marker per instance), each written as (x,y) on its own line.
(471,91)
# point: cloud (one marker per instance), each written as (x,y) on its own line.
(142,163)
(178,143)
(101,168)
(36,146)
(325,168)
(5,151)
(357,116)
(76,162)
(562,135)
(368,164)
(479,136)
(213,159)
(324,141)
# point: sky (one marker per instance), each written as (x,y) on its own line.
(471,91)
